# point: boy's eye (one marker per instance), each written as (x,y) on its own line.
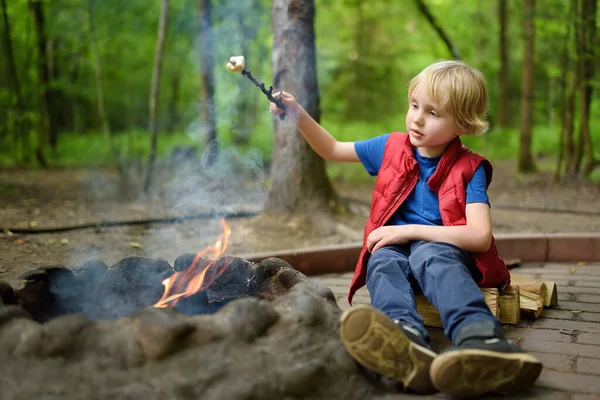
(413,105)
(433,113)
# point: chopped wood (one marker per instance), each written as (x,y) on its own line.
(491,299)
(532,305)
(510,305)
(551,298)
(545,289)
(431,315)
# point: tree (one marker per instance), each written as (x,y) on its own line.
(208,80)
(299,178)
(503,72)
(581,84)
(46,126)
(154,91)
(526,162)
(21,124)
(586,49)
(438,29)
(100,94)
(567,100)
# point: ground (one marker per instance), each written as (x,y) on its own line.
(58,197)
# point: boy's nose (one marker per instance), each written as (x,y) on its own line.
(418,119)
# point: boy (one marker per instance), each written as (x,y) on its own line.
(429,228)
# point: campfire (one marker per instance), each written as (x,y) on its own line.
(193,279)
(198,283)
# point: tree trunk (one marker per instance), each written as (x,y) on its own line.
(46,126)
(208,81)
(564,99)
(173,114)
(100,95)
(438,29)
(21,131)
(154,91)
(299,178)
(503,73)
(588,31)
(526,161)
(569,126)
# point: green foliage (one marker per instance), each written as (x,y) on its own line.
(367,52)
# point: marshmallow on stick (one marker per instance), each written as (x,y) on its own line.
(237,64)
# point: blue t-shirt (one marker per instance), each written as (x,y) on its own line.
(422,206)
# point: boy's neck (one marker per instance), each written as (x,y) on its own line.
(432,152)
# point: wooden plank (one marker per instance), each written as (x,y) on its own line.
(432,318)
(532,305)
(510,305)
(545,289)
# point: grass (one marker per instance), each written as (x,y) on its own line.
(78,150)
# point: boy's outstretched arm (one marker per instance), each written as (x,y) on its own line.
(475,236)
(322,142)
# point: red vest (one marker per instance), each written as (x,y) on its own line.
(398,176)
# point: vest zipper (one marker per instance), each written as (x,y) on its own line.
(396,199)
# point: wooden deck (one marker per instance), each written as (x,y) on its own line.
(566,338)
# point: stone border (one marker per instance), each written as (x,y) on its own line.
(531,247)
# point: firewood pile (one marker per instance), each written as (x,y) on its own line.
(524,299)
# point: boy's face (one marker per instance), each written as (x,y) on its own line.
(430,127)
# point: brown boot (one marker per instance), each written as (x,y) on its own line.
(387,348)
(484,361)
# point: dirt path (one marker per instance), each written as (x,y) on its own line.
(62,197)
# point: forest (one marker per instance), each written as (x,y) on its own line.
(116,84)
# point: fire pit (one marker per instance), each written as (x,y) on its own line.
(222,329)
(98,292)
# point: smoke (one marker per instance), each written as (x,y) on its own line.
(235,182)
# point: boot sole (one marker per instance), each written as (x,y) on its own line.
(377,343)
(473,372)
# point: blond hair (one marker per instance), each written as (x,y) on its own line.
(460,89)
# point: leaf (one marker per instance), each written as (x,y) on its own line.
(33,224)
(581,263)
(135,245)
(575,311)
(64,241)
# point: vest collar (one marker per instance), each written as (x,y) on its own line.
(450,155)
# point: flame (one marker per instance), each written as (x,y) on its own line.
(187,282)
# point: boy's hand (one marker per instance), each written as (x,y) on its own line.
(289,101)
(387,236)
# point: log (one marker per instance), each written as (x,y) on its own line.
(432,318)
(532,305)
(551,298)
(545,289)
(510,305)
